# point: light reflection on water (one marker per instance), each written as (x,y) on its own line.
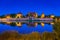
(26,29)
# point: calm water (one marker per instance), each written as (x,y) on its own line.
(26,29)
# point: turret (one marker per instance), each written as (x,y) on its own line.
(19,15)
(42,16)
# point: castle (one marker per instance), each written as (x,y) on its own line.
(30,16)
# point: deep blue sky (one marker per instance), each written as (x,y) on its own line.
(25,6)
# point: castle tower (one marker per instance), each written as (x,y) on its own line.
(19,15)
(42,16)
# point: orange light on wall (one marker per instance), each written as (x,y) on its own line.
(18,24)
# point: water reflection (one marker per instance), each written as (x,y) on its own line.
(25,29)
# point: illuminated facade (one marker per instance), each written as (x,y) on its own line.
(19,15)
(8,16)
(30,19)
(43,15)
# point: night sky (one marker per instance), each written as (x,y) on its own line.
(25,6)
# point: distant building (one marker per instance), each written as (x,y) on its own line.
(57,18)
(52,16)
(42,16)
(19,15)
(8,16)
(32,14)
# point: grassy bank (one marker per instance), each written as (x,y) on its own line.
(13,35)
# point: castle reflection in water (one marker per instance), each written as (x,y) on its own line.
(31,19)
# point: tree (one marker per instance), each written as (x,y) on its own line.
(13,15)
